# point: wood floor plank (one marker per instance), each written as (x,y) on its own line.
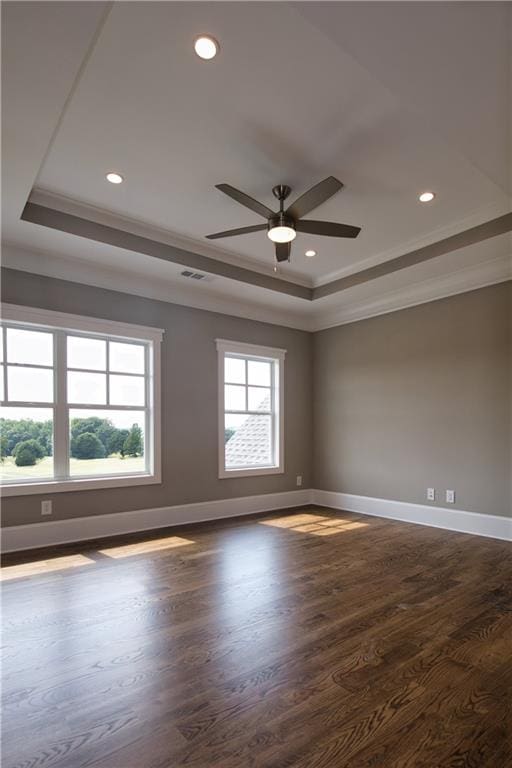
(302,639)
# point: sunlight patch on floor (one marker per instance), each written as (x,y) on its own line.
(39,567)
(140,548)
(290,521)
(318,525)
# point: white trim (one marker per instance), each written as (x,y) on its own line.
(60,412)
(276,356)
(60,323)
(152,231)
(155,407)
(215,295)
(479,216)
(54,532)
(470,278)
(80,484)
(84,210)
(19,537)
(306,316)
(492,526)
(225,474)
(252,350)
(16,313)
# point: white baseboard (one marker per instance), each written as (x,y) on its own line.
(33,535)
(19,537)
(492,526)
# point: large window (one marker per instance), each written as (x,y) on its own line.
(250,409)
(80,402)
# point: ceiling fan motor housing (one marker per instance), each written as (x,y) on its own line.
(281,220)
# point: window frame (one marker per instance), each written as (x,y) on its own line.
(61,325)
(257,353)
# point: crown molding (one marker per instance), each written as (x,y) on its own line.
(57,202)
(156,249)
(479,216)
(65,219)
(490,272)
(173,291)
(487,230)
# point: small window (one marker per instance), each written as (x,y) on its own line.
(251,415)
(80,408)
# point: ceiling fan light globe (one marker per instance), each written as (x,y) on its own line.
(282,234)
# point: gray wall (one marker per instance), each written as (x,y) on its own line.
(418,398)
(189,399)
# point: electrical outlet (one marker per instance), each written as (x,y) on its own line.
(431,494)
(299,480)
(450,497)
(46,508)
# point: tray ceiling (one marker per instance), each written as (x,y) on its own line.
(384,96)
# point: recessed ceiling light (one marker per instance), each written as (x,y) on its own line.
(426,197)
(114,178)
(310,254)
(206,47)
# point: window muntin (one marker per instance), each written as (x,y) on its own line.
(92,371)
(250,409)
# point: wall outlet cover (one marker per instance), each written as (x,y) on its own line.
(431,494)
(450,497)
(46,507)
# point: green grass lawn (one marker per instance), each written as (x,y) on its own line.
(113,465)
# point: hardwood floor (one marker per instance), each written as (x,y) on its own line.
(310,640)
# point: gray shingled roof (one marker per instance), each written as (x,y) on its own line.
(250,444)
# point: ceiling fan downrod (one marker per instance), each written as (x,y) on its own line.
(281,191)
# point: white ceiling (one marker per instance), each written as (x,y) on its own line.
(390,98)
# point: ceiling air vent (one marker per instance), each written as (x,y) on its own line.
(193,275)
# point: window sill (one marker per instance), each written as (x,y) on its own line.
(79,484)
(225,473)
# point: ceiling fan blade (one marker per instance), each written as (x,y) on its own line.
(314,197)
(244,199)
(240,231)
(328,228)
(283,251)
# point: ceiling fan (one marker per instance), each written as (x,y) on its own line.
(282,227)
